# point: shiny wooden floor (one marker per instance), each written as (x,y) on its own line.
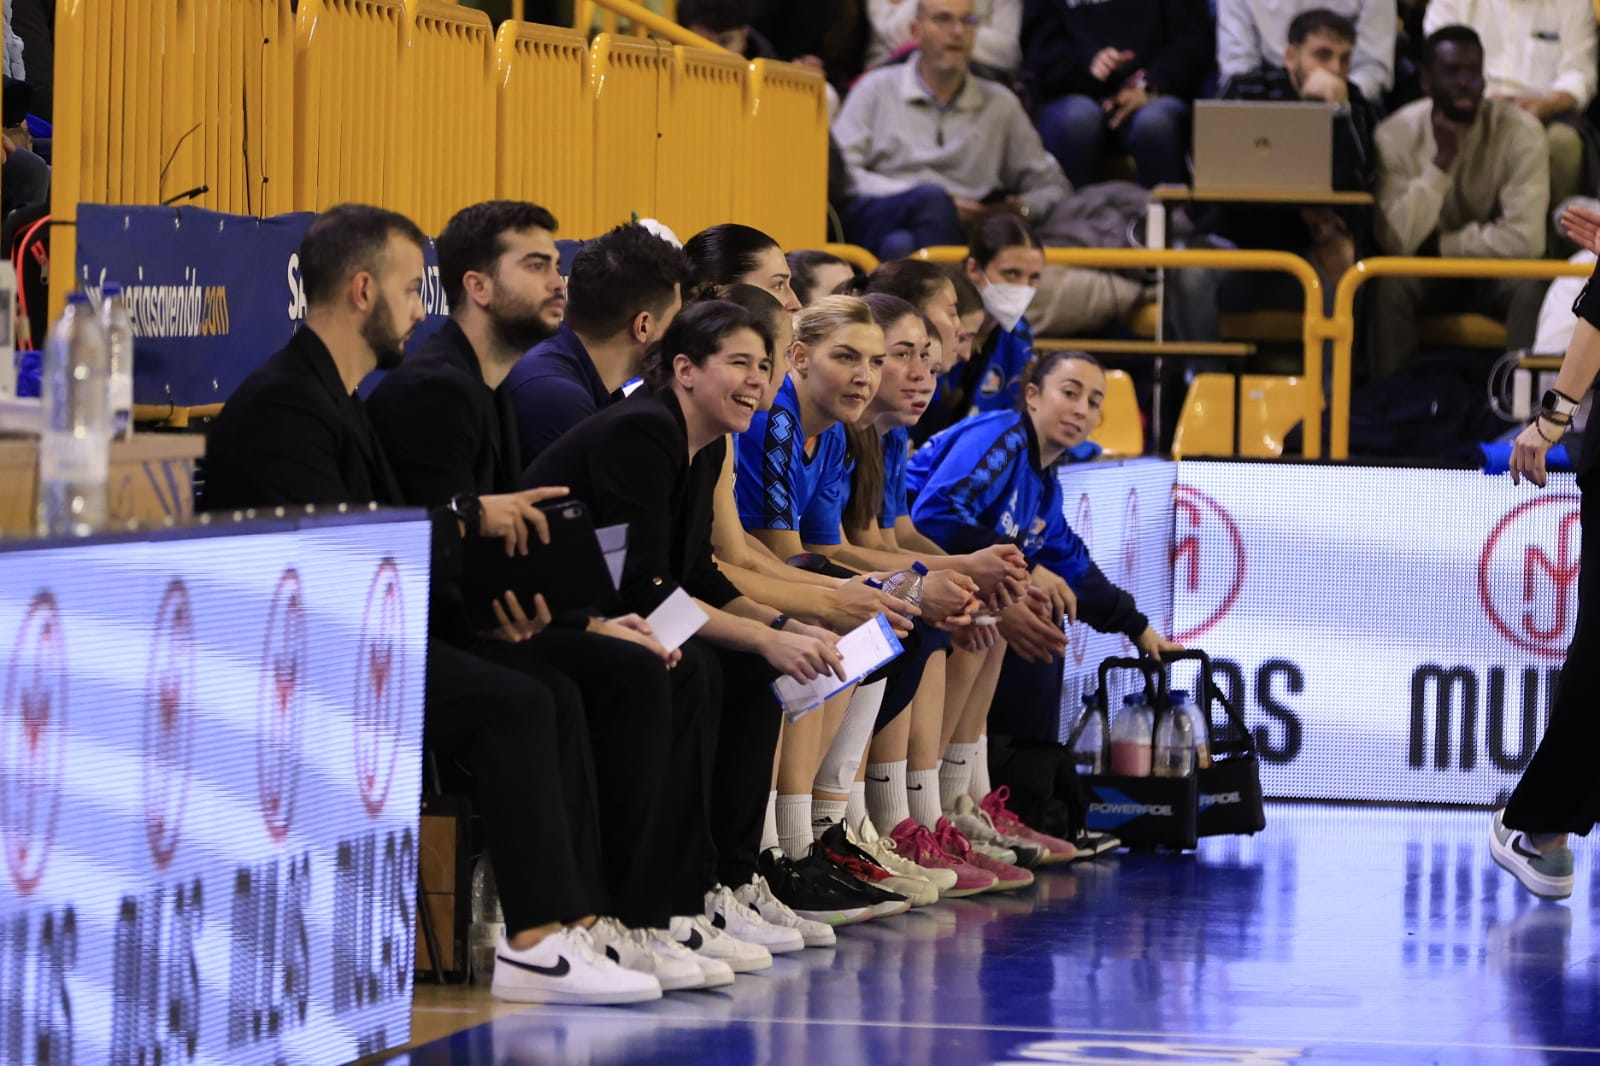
(1339,935)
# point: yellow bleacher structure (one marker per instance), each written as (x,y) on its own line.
(1121,430)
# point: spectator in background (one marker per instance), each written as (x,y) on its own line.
(1539,55)
(827,34)
(624,290)
(1458,176)
(891,225)
(1120,69)
(818,274)
(997,40)
(726,22)
(1250,36)
(1316,66)
(932,120)
(35,24)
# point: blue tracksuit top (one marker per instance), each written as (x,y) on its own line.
(896,456)
(998,388)
(979,483)
(777,486)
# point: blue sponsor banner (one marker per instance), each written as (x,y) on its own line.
(212,295)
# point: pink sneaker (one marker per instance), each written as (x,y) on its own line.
(957,846)
(1005,820)
(913,841)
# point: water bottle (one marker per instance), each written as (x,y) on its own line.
(907,584)
(1131,738)
(118,326)
(1197,722)
(488,922)
(1174,745)
(75,443)
(1089,745)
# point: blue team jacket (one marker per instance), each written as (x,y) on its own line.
(980,483)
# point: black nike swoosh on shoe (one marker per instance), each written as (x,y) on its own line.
(560,969)
(695,941)
(718,921)
(611,953)
(1516,846)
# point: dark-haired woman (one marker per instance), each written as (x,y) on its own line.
(819,274)
(731,254)
(652,462)
(991,480)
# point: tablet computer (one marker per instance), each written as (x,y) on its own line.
(570,572)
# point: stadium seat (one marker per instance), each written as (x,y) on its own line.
(1270,405)
(1121,432)
(1205,426)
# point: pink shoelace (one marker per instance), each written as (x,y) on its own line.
(955,843)
(921,844)
(1004,819)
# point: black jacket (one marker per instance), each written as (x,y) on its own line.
(1173,42)
(630,463)
(443,429)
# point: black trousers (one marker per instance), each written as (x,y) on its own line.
(1559,792)
(740,742)
(528,750)
(644,735)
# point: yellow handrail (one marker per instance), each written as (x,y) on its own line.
(853,254)
(583,20)
(1315,327)
(1342,324)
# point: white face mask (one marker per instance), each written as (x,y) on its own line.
(1007,303)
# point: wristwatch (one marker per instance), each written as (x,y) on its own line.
(779,622)
(1558,403)
(466,507)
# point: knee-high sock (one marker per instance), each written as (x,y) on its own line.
(843,759)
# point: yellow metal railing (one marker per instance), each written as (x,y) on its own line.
(853,254)
(700,164)
(544,122)
(607,16)
(627,79)
(451,80)
(1342,325)
(785,189)
(1314,331)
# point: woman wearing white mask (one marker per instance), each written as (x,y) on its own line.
(1005,261)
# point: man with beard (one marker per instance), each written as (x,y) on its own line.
(626,287)
(294,433)
(444,419)
(1462,177)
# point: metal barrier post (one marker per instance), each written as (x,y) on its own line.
(1342,324)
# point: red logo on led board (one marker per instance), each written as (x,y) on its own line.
(1084,528)
(380,693)
(169,723)
(33,740)
(1536,546)
(1205,536)
(283,675)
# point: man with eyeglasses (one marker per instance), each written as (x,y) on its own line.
(931,120)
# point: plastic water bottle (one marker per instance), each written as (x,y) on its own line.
(1089,744)
(1131,738)
(1202,734)
(75,444)
(118,326)
(907,584)
(1174,745)
(488,922)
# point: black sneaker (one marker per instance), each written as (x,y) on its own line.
(812,892)
(1090,844)
(883,902)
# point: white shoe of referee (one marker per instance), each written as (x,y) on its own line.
(674,966)
(757,895)
(747,924)
(696,933)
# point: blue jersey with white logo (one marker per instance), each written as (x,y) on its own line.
(896,456)
(1000,384)
(777,486)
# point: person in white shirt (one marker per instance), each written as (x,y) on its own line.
(1250,35)
(1541,55)
(997,47)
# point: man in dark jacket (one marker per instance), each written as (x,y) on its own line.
(294,433)
(1124,70)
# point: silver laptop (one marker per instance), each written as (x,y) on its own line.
(1254,145)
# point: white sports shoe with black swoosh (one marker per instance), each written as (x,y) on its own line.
(565,967)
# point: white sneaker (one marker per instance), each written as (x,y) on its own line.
(696,933)
(565,967)
(714,973)
(980,829)
(637,950)
(918,890)
(757,895)
(881,848)
(746,923)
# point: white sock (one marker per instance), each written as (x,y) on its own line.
(922,789)
(980,786)
(855,812)
(769,827)
(825,814)
(886,795)
(794,825)
(955,773)
(843,759)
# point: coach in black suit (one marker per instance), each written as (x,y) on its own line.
(294,433)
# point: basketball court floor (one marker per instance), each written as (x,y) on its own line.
(1338,935)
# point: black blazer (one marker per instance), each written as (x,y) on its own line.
(291,435)
(442,428)
(630,463)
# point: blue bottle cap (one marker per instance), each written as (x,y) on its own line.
(1180,696)
(76,298)
(919,568)
(110,289)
